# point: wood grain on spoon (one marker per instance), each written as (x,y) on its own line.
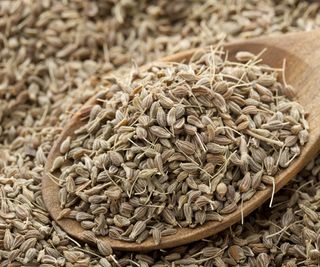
(302,55)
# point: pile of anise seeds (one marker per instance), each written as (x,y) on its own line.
(177,145)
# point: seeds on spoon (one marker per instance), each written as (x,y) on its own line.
(181,151)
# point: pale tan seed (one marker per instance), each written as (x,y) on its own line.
(256,179)
(147,173)
(89,236)
(219,262)
(291,140)
(121,221)
(116,158)
(30,255)
(40,157)
(263,260)
(295,129)
(64,213)
(179,124)
(195,121)
(267,179)
(180,91)
(243,125)
(156,235)
(141,132)
(190,129)
(171,116)
(8,240)
(159,163)
(27,244)
(57,163)
(165,102)
(216,149)
(244,56)
(269,164)
(168,216)
(221,189)
(202,201)
(303,137)
(189,167)
(159,132)
(246,183)
(252,110)
(82,216)
(138,228)
(104,262)
(200,217)
(147,102)
(161,117)
(172,256)
(70,184)
(142,237)
(187,210)
(209,252)
(309,212)
(266,80)
(169,231)
(219,102)
(229,208)
(104,247)
(65,145)
(71,256)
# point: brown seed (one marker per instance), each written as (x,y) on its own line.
(245,183)
(186,147)
(236,252)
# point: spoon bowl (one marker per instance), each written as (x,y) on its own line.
(302,72)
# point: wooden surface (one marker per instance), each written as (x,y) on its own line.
(302,54)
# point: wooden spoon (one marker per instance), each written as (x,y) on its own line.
(302,54)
